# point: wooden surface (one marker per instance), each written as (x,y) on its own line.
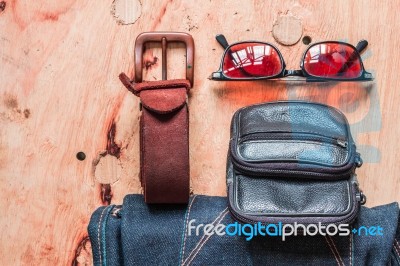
(60,94)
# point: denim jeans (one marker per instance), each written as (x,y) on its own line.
(138,234)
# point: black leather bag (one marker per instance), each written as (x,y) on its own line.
(292,162)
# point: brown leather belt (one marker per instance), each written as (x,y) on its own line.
(164,123)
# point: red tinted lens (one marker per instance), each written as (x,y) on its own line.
(247,60)
(333,60)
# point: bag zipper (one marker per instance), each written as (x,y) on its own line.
(295,136)
(243,219)
(343,143)
(358,160)
(273,172)
(360,200)
(353,156)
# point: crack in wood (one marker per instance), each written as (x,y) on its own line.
(106,194)
(112,147)
(2,6)
(150,63)
(83,254)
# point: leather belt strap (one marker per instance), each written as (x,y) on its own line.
(164,127)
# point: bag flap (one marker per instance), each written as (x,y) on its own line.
(292,116)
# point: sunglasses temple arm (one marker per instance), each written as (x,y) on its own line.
(361,45)
(224,43)
(222,40)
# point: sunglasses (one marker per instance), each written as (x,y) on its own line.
(322,61)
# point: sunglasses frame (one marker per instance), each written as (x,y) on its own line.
(219,75)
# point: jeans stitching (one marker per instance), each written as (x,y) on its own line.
(397,243)
(397,252)
(334,246)
(396,248)
(98,233)
(202,238)
(207,238)
(109,208)
(333,252)
(184,235)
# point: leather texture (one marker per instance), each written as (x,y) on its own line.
(293,116)
(291,162)
(163,101)
(276,196)
(293,150)
(292,140)
(164,140)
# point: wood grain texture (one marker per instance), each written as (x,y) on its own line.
(60,94)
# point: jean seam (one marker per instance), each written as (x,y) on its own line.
(396,248)
(201,239)
(351,249)
(337,251)
(184,235)
(205,241)
(196,250)
(109,208)
(98,234)
(397,243)
(338,259)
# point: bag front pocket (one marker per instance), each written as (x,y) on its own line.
(272,200)
(291,153)
(289,147)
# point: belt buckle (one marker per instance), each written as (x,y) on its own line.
(164,38)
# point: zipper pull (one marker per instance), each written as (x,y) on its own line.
(354,179)
(358,160)
(361,197)
(341,143)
